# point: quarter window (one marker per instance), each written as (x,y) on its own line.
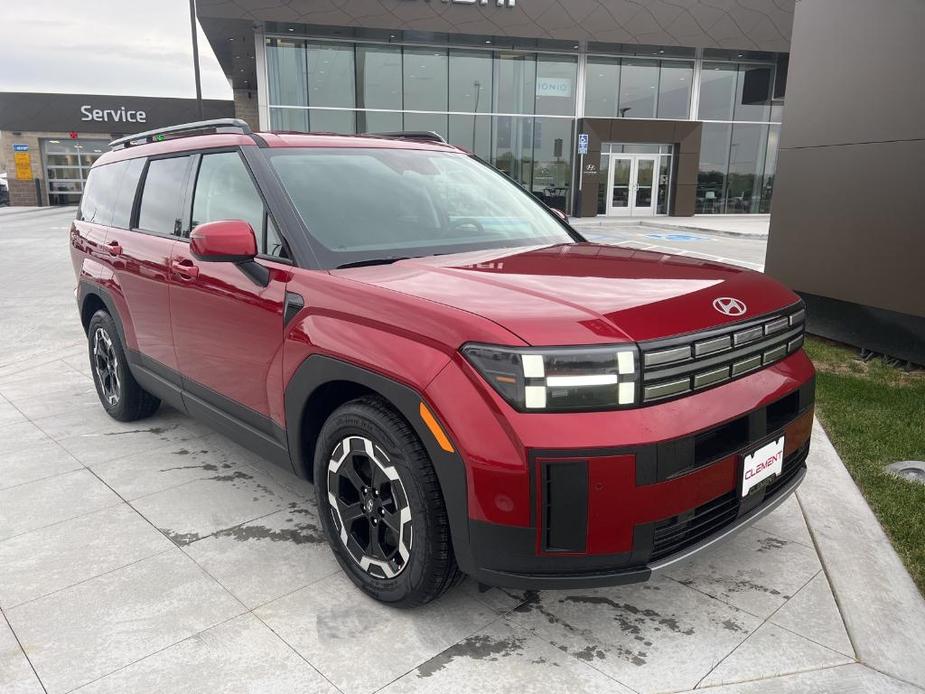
(125,198)
(100,193)
(163,190)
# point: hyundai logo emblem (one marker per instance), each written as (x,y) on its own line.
(729,306)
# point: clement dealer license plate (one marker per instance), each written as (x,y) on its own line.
(766,462)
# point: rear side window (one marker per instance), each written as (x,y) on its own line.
(100,192)
(125,198)
(224,190)
(162,195)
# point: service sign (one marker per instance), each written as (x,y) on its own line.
(97,113)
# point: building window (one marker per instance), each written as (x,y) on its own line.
(379,77)
(601,86)
(286,70)
(330,76)
(674,89)
(638,88)
(737,166)
(714,165)
(470,83)
(426,80)
(555,85)
(552,162)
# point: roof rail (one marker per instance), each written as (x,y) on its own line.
(423,135)
(218,125)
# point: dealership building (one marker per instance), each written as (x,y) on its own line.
(595,106)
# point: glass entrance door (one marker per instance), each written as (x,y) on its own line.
(619,177)
(644,193)
(633,185)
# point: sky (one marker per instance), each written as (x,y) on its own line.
(120,47)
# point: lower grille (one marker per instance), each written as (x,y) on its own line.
(673,535)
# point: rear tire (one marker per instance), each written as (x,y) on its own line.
(381,505)
(119,392)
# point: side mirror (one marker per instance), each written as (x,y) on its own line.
(225,241)
(560,214)
(229,241)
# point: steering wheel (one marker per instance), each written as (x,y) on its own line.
(466,222)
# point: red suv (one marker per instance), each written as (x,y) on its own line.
(471,385)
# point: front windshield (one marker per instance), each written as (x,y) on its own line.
(369,204)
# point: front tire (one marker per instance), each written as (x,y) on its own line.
(119,392)
(381,505)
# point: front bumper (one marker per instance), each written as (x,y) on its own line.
(558,516)
(715,522)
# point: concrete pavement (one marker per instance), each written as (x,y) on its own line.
(160,556)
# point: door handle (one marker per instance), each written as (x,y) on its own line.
(185,270)
(115,248)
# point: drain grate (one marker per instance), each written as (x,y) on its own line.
(909,469)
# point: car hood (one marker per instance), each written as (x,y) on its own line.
(582,293)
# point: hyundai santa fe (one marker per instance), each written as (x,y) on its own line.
(471,386)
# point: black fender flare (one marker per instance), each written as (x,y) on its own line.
(318,370)
(85,288)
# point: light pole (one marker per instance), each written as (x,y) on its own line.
(195,33)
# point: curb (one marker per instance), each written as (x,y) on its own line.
(579,225)
(33,211)
(880,604)
(704,230)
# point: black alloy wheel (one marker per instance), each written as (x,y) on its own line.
(381,505)
(119,392)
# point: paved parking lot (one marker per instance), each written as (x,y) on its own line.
(158,556)
(746,251)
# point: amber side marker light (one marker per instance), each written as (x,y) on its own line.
(435,429)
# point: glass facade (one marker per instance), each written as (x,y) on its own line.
(638,88)
(514,109)
(738,149)
(518,109)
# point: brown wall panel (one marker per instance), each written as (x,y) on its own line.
(685,200)
(855,73)
(846,218)
(846,223)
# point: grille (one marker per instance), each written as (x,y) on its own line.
(673,535)
(677,366)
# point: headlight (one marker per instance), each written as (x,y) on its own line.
(561,378)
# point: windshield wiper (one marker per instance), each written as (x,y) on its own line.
(372,261)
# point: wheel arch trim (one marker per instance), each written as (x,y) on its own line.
(318,370)
(86,289)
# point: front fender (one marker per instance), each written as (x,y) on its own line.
(318,370)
